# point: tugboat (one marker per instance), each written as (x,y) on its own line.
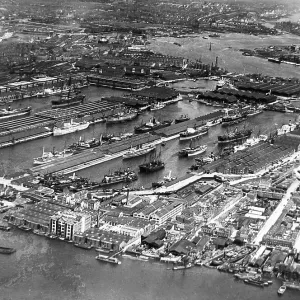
(70,127)
(234,136)
(71,97)
(192,150)
(191,133)
(153,165)
(153,124)
(138,151)
(118,177)
(11,113)
(182,118)
(122,117)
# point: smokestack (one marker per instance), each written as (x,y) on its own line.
(217,61)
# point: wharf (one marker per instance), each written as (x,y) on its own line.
(175,129)
(82,110)
(92,157)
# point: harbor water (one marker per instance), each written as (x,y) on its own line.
(51,269)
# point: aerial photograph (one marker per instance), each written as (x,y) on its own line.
(149,149)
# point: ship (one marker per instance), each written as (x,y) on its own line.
(71,97)
(11,113)
(105,258)
(192,150)
(274,60)
(122,117)
(153,124)
(191,133)
(155,164)
(214,35)
(182,118)
(82,145)
(70,127)
(83,246)
(254,112)
(234,136)
(157,106)
(118,177)
(5,250)
(4,228)
(51,156)
(182,267)
(139,150)
(233,119)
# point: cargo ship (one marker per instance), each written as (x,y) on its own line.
(122,117)
(70,127)
(153,124)
(157,106)
(191,133)
(83,145)
(68,98)
(11,113)
(118,177)
(138,151)
(234,136)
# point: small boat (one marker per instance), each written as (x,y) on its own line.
(254,112)
(38,232)
(24,228)
(182,267)
(108,259)
(5,228)
(182,118)
(5,250)
(157,106)
(83,246)
(193,133)
(281,290)
(143,257)
(213,123)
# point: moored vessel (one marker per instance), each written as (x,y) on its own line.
(191,133)
(70,127)
(11,113)
(281,290)
(51,156)
(139,150)
(192,150)
(182,118)
(71,97)
(234,136)
(122,117)
(153,124)
(118,177)
(157,106)
(154,164)
(108,259)
(83,246)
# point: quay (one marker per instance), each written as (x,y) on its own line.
(98,155)
(40,125)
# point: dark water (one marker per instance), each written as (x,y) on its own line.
(45,269)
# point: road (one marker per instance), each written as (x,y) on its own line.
(276,213)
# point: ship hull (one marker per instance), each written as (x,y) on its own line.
(115,120)
(144,129)
(233,139)
(189,137)
(20,113)
(139,152)
(200,151)
(4,250)
(145,168)
(63,131)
